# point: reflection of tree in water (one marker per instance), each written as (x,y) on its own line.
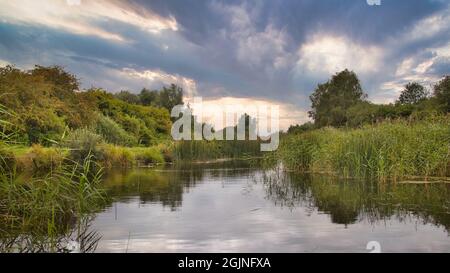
(350,201)
(69,237)
(167,185)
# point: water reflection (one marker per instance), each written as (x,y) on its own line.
(73,237)
(240,207)
(167,185)
(350,201)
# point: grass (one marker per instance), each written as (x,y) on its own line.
(49,206)
(40,160)
(390,150)
(127,157)
(206,150)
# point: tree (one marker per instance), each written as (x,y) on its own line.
(442,93)
(170,97)
(129,97)
(58,76)
(412,94)
(331,100)
(298,129)
(149,98)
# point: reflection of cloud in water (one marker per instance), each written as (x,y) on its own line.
(221,210)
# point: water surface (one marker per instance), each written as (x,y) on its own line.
(239,207)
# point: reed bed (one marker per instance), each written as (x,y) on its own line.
(389,150)
(207,150)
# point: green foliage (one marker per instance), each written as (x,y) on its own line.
(206,150)
(46,103)
(170,97)
(46,206)
(115,156)
(44,160)
(297,129)
(128,97)
(50,205)
(83,143)
(147,97)
(148,124)
(113,133)
(167,97)
(148,156)
(412,94)
(442,93)
(331,100)
(386,150)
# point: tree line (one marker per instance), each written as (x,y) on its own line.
(341,102)
(45,104)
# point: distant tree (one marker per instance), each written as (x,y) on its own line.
(412,94)
(148,97)
(331,100)
(129,97)
(442,93)
(170,97)
(297,129)
(58,76)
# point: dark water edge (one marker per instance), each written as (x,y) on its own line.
(241,206)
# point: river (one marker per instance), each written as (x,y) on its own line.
(239,206)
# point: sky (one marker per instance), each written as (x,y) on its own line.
(234,51)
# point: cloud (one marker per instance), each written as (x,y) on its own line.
(421,54)
(255,49)
(84,18)
(325,54)
(160,78)
(3,63)
(275,51)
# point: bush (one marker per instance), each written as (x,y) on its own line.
(148,156)
(44,159)
(7,160)
(112,132)
(116,156)
(83,143)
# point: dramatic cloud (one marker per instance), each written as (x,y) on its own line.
(159,78)
(327,54)
(78,16)
(242,50)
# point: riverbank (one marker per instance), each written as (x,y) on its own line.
(40,159)
(390,150)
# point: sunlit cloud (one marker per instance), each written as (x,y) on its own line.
(329,54)
(83,18)
(266,50)
(159,77)
(3,63)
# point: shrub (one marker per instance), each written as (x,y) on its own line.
(148,156)
(7,160)
(83,143)
(112,132)
(44,159)
(116,156)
